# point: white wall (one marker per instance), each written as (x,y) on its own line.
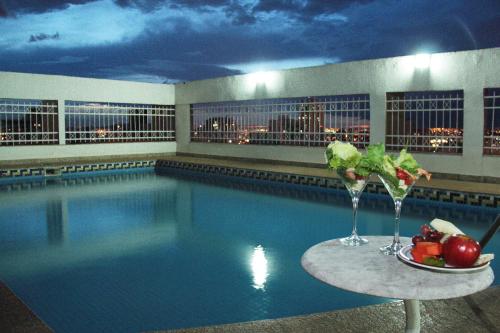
(61,88)
(470,71)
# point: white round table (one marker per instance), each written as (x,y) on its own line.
(365,270)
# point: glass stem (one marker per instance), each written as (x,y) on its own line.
(355,201)
(397,206)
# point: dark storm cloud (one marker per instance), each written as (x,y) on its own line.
(190,46)
(239,14)
(144,5)
(306,10)
(3,11)
(42,36)
(14,7)
(199,3)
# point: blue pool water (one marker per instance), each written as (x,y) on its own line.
(138,252)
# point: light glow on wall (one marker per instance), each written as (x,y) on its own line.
(263,83)
(422,61)
(266,78)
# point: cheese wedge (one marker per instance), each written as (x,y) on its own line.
(445,227)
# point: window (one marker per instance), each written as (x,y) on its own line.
(93,122)
(491,141)
(429,121)
(305,121)
(28,122)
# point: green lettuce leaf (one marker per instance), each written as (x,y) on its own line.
(372,161)
(340,155)
(406,161)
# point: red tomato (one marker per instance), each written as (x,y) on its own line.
(401,174)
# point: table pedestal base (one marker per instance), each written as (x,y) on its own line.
(412,309)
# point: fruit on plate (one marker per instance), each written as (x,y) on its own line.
(436,246)
(430,248)
(428,234)
(428,253)
(446,227)
(484,258)
(417,238)
(461,251)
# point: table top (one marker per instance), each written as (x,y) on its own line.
(364,269)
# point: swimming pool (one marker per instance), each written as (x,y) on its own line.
(137,252)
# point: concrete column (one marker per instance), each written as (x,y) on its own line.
(182,125)
(61,121)
(377,117)
(473,127)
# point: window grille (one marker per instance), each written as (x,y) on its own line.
(28,122)
(95,122)
(491,141)
(305,121)
(430,121)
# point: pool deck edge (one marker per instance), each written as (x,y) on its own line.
(475,313)
(15,316)
(435,183)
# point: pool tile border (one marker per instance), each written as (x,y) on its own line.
(449,196)
(54,171)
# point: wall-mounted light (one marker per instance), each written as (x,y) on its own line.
(258,78)
(422,61)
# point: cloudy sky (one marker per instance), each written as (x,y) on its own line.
(184,40)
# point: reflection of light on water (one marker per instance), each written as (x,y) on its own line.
(259,267)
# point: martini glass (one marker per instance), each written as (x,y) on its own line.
(355,187)
(398,193)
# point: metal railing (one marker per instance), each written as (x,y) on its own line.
(491,137)
(28,122)
(428,121)
(96,122)
(305,121)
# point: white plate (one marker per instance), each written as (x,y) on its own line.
(405,256)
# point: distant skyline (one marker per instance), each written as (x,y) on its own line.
(168,41)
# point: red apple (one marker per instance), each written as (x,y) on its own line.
(461,251)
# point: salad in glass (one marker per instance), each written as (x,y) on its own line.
(345,159)
(398,174)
